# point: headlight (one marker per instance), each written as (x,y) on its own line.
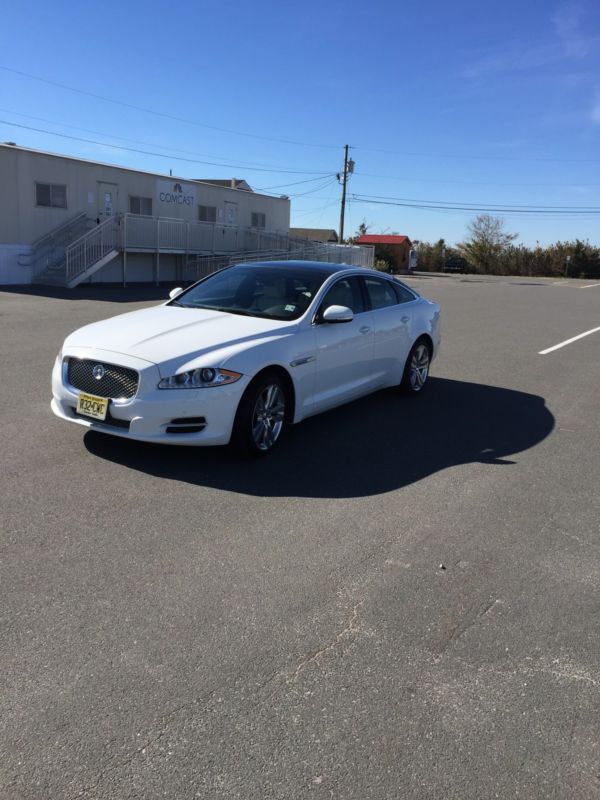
(204,377)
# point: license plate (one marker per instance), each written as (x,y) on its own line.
(91,406)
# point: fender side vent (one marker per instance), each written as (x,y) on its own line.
(186,425)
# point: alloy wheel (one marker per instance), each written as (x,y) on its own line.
(419,367)
(268,416)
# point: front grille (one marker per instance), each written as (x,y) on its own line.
(115,383)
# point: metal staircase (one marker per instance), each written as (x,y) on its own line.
(92,251)
(47,253)
(73,252)
(79,248)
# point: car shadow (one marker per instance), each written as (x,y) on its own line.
(374,445)
(102,292)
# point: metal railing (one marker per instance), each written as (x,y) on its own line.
(66,254)
(202,266)
(183,236)
(49,250)
(93,246)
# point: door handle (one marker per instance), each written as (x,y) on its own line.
(364,329)
(404,319)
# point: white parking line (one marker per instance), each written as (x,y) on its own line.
(568,341)
(589,286)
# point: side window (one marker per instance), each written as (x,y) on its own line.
(140,205)
(207,213)
(404,294)
(51,195)
(345,292)
(381,293)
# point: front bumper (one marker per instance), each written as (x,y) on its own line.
(147,416)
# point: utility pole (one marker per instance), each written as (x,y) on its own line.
(344,179)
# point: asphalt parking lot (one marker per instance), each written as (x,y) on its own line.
(176,623)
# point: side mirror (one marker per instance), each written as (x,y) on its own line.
(338,314)
(174,292)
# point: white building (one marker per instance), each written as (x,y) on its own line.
(64,220)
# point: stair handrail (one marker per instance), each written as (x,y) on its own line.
(51,244)
(56,231)
(92,246)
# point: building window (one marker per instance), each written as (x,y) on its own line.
(50,195)
(207,213)
(140,205)
(258,220)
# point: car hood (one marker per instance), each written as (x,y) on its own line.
(165,333)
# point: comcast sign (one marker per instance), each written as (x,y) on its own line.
(175,193)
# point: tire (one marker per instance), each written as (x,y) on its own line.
(416,370)
(260,416)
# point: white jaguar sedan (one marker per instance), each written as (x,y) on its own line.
(245,350)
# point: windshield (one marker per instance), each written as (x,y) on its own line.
(257,291)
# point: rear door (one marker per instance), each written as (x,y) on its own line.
(392,308)
(344,368)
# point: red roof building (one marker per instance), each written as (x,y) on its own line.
(394,249)
(376,238)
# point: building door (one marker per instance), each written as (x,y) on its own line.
(108,196)
(230,213)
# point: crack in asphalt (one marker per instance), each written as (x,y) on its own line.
(108,767)
(520,669)
(466,621)
(350,629)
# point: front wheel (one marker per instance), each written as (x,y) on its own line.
(260,417)
(416,370)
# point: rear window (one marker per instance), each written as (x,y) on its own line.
(381,293)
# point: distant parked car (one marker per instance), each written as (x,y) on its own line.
(455,264)
(245,350)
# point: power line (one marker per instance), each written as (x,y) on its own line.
(311,211)
(527,218)
(412,179)
(160,155)
(163,114)
(405,153)
(284,185)
(557,212)
(317,189)
(246,134)
(505,206)
(242,164)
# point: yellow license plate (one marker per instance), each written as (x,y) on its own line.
(91,406)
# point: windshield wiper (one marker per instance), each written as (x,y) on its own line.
(223,309)
(226,310)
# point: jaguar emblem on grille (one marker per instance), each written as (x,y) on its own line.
(98,372)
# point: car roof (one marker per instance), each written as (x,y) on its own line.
(321,266)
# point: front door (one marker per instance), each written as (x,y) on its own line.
(108,195)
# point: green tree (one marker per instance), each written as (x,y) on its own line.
(488,242)
(363,228)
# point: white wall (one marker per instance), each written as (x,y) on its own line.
(10,269)
(22,221)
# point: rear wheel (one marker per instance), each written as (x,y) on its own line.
(416,370)
(261,415)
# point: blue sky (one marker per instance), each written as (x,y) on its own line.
(458,103)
